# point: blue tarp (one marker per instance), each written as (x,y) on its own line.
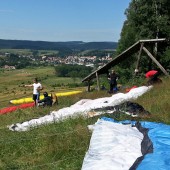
(159,134)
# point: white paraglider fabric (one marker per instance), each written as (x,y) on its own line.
(113,146)
(82,107)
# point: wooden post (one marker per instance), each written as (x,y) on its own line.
(154,60)
(88,88)
(98,85)
(139,55)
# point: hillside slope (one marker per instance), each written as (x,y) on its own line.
(45,45)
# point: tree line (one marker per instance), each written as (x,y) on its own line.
(15,60)
(146,20)
(72,71)
(70,46)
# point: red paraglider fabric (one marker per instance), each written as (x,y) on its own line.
(150,73)
(13,108)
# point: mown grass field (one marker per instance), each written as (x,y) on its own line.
(62,145)
(28,51)
(12,82)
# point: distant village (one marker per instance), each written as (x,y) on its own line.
(74,60)
(83,60)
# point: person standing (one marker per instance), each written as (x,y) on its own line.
(113,77)
(37,87)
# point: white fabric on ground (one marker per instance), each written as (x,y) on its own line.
(112,146)
(82,107)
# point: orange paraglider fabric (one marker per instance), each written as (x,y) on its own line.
(128,89)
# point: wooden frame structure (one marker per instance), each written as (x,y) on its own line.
(139,45)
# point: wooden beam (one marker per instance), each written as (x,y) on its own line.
(156,62)
(98,84)
(124,55)
(138,59)
(88,88)
(153,40)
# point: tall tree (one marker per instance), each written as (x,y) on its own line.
(151,19)
(146,20)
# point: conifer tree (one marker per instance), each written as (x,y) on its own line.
(147,20)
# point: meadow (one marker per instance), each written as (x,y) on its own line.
(12,83)
(28,51)
(62,145)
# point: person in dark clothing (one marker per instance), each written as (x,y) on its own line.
(47,101)
(113,77)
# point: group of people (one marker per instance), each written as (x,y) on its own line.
(151,76)
(37,87)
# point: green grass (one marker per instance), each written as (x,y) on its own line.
(62,145)
(55,146)
(157,102)
(28,51)
(12,83)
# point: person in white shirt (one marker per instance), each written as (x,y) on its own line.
(37,87)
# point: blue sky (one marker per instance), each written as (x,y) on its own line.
(62,20)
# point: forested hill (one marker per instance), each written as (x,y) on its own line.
(45,45)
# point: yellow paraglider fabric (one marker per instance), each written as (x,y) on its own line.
(28,100)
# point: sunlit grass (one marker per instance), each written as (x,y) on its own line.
(63,145)
(12,83)
(157,102)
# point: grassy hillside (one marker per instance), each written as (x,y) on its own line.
(45,45)
(63,145)
(157,102)
(28,51)
(12,83)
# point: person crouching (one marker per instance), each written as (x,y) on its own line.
(47,101)
(152,77)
